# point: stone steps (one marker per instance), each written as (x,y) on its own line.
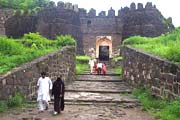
(108,74)
(123,104)
(101,87)
(100,91)
(97,77)
(98,80)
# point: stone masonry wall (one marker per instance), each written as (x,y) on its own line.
(4,15)
(18,25)
(161,76)
(144,20)
(66,18)
(95,26)
(24,78)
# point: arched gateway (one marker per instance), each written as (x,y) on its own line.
(103,47)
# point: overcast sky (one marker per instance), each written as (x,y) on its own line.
(169,8)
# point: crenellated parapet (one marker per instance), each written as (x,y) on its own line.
(92,12)
(138,7)
(62,5)
(66,18)
(102,14)
(111,12)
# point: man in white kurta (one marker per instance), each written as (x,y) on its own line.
(44,86)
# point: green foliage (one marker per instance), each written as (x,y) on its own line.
(16,100)
(3,106)
(36,41)
(82,59)
(65,40)
(82,64)
(166,46)
(80,68)
(14,52)
(118,70)
(160,108)
(23,4)
(119,58)
(10,47)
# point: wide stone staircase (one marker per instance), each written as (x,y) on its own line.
(92,97)
(99,97)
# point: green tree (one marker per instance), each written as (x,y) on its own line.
(23,4)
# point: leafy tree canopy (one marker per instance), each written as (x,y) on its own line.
(23,4)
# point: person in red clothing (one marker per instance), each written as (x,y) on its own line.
(95,68)
(104,70)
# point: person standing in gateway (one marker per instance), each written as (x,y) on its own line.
(44,86)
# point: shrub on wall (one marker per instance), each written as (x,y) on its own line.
(166,46)
(65,40)
(14,52)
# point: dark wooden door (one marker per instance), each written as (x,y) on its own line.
(103,53)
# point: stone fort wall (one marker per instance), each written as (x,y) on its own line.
(159,75)
(84,26)
(5,14)
(24,78)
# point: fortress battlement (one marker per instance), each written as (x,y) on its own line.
(111,12)
(92,12)
(65,18)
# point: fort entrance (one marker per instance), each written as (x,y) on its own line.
(103,47)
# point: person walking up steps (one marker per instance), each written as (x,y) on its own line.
(58,92)
(44,86)
(91,64)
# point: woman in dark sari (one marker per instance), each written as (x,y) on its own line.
(58,92)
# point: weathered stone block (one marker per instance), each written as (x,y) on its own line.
(175,88)
(133,6)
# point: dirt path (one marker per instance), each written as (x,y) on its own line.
(91,97)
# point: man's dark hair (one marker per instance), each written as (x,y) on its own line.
(43,73)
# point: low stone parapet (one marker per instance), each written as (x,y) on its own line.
(24,78)
(149,71)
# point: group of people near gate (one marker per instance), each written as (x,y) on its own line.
(45,89)
(97,67)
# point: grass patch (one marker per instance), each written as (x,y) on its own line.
(82,59)
(3,106)
(160,109)
(119,58)
(80,68)
(118,70)
(82,64)
(165,46)
(14,52)
(17,100)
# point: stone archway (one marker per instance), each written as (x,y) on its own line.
(103,47)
